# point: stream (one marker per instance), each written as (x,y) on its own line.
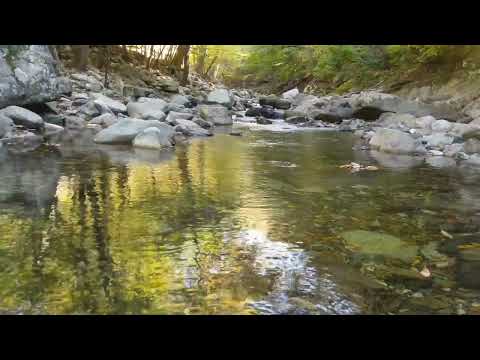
(264,223)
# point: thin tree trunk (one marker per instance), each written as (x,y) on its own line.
(107,64)
(210,66)
(81,53)
(186,66)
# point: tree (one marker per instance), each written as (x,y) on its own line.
(80,56)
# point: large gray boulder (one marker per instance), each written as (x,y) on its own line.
(395,142)
(28,75)
(23,117)
(155,137)
(148,109)
(332,109)
(124,131)
(368,105)
(220,96)
(216,114)
(114,105)
(6,126)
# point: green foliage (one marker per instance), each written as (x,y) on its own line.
(343,67)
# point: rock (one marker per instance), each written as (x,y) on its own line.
(460,130)
(51,129)
(168,85)
(438,140)
(472,146)
(440,162)
(275,102)
(435,153)
(351,125)
(180,100)
(172,116)
(95,128)
(23,117)
(396,142)
(370,104)
(329,109)
(473,160)
(7,127)
(147,109)
(23,142)
(54,119)
(462,156)
(137,92)
(407,277)
(104,120)
(372,243)
(468,272)
(453,149)
(475,122)
(176,108)
(441,126)
(90,110)
(296,119)
(189,128)
(216,114)
(202,123)
(292,113)
(124,131)
(74,123)
(114,105)
(155,137)
(220,96)
(264,121)
(104,109)
(235,133)
(290,94)
(424,122)
(28,75)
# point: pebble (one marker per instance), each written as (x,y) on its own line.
(417,295)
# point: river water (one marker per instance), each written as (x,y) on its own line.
(256,224)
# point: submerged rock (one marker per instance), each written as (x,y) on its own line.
(372,243)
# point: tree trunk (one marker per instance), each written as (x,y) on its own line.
(202,55)
(107,64)
(186,67)
(80,60)
(210,66)
(125,56)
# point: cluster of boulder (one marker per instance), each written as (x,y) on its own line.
(384,122)
(153,118)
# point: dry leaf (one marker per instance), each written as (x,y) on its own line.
(425,272)
(446,234)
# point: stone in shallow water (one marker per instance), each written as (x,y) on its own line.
(372,243)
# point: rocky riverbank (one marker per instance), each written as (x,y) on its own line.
(40,105)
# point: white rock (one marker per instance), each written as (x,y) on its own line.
(155,137)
